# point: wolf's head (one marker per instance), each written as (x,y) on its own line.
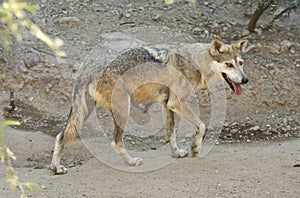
(229,63)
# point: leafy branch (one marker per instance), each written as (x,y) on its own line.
(14,20)
(13,15)
(7,155)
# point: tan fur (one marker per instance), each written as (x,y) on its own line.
(165,74)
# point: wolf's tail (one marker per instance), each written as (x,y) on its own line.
(83,103)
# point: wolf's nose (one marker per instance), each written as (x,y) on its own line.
(244,80)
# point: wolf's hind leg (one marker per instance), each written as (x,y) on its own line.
(117,144)
(55,164)
(120,110)
(81,109)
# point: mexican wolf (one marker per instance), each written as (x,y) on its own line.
(167,75)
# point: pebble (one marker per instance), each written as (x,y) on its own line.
(157,17)
(274,49)
(258,31)
(197,30)
(254,128)
(233,131)
(77,66)
(69,21)
(245,33)
(215,25)
(285,45)
(98,8)
(31,59)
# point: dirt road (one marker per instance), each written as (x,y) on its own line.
(237,170)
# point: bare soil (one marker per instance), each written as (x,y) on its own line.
(257,153)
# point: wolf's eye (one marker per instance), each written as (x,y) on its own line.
(229,64)
(241,63)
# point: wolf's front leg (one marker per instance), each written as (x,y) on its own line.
(197,144)
(171,136)
(183,110)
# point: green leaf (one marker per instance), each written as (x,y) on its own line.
(2,157)
(10,154)
(2,76)
(30,186)
(11,122)
(169,1)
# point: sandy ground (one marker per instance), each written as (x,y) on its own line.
(237,170)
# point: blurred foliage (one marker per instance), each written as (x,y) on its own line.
(15,23)
(6,155)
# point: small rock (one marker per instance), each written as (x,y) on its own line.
(200,13)
(254,128)
(157,17)
(292,50)
(31,59)
(23,69)
(270,66)
(98,8)
(286,45)
(287,128)
(197,30)
(245,33)
(258,31)
(77,66)
(141,8)
(127,15)
(234,124)
(69,21)
(274,49)
(233,131)
(215,25)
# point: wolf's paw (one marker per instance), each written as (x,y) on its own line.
(195,149)
(135,161)
(180,153)
(59,169)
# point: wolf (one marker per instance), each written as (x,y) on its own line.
(164,74)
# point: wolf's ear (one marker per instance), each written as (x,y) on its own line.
(241,45)
(217,47)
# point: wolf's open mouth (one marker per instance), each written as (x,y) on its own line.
(234,86)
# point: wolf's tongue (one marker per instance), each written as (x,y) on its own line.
(237,88)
